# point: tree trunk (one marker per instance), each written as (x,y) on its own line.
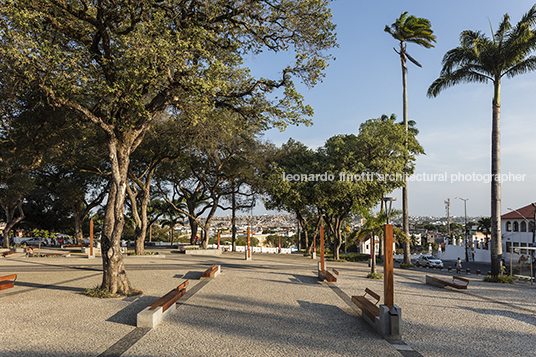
(233,221)
(11,221)
(373,254)
(334,225)
(496,241)
(114,278)
(78,234)
(405,214)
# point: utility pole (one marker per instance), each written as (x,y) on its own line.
(447,207)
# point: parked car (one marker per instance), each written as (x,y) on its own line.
(429,261)
(35,242)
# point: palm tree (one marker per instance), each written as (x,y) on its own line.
(482,60)
(419,31)
(484,226)
(373,228)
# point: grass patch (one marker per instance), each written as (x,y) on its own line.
(378,276)
(133,252)
(98,292)
(407,266)
(501,279)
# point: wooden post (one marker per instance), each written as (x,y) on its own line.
(91,238)
(279,243)
(218,239)
(388,279)
(322,248)
(248,247)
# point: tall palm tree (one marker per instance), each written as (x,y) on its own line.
(419,31)
(482,59)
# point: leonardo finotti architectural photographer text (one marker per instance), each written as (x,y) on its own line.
(424,177)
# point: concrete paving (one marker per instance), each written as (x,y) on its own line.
(272,305)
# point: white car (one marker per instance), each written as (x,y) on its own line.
(429,261)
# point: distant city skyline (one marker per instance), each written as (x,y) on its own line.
(455,128)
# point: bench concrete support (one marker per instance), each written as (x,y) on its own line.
(153,314)
(388,323)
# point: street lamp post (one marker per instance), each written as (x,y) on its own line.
(389,312)
(465,225)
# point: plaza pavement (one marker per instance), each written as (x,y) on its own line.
(272,305)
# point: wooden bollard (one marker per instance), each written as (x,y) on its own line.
(489,273)
(450,269)
(478,272)
(468,271)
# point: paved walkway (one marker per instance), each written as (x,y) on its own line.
(270,306)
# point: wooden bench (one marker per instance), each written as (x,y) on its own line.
(8,281)
(369,308)
(212,271)
(456,282)
(154,313)
(5,254)
(326,275)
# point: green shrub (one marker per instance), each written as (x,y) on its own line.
(357,257)
(501,279)
(407,266)
(375,276)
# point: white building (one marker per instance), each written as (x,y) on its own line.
(517,229)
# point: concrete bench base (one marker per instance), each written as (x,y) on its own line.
(153,314)
(443,282)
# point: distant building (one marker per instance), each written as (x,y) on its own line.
(517,229)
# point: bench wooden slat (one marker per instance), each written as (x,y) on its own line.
(4,254)
(174,299)
(373,294)
(328,276)
(6,285)
(8,277)
(366,306)
(210,271)
(460,278)
(170,298)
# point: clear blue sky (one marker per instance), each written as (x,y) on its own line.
(365,82)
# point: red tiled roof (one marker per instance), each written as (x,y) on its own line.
(526,212)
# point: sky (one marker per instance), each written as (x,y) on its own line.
(365,81)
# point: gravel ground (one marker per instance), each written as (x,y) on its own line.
(269,306)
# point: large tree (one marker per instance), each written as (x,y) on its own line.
(120,65)
(482,59)
(409,29)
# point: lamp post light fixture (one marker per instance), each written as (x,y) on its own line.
(389,207)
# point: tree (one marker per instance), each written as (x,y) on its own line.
(419,31)
(12,194)
(374,227)
(296,196)
(484,226)
(482,59)
(120,66)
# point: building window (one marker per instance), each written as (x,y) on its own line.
(508,247)
(516,248)
(524,251)
(508,226)
(523,226)
(516,226)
